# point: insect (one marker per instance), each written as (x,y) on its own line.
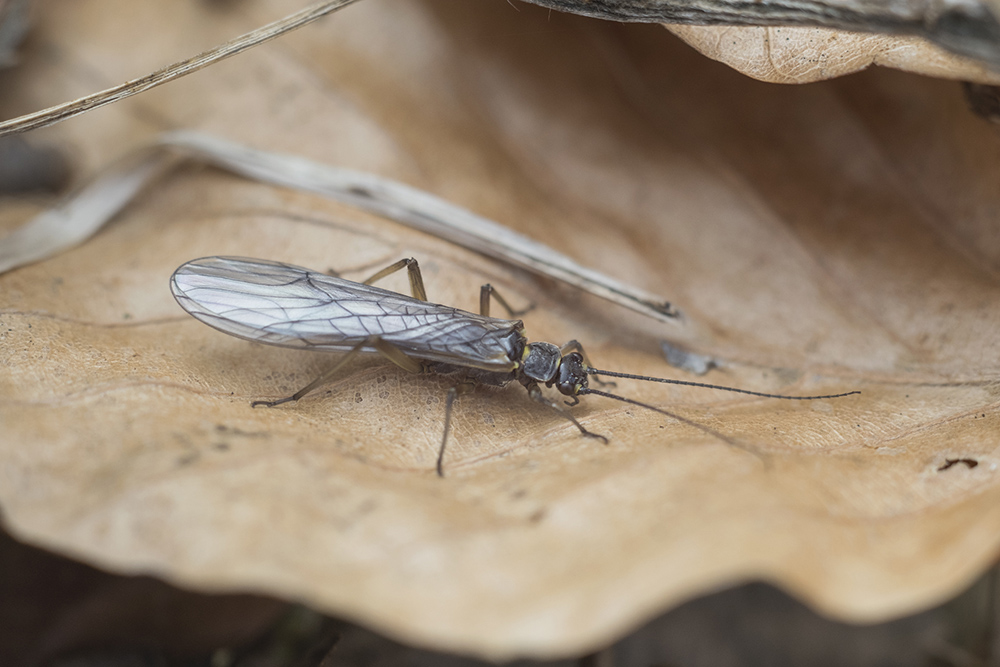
(289,306)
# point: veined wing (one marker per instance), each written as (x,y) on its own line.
(287,305)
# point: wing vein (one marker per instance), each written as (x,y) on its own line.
(290,306)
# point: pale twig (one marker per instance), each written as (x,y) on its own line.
(242,43)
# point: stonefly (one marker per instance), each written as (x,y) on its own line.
(289,306)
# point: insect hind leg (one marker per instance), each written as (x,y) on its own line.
(413,272)
(418,291)
(385,348)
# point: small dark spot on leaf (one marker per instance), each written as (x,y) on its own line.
(537,516)
(357,397)
(221,446)
(949,463)
(188,459)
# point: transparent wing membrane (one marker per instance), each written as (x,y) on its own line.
(290,306)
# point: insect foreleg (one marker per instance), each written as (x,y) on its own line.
(386,349)
(486,292)
(535,392)
(449,401)
(413,272)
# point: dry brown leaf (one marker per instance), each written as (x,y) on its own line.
(824,238)
(803,55)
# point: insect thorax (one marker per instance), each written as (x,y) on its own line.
(540,362)
(545,363)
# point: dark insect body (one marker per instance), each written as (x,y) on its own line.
(289,306)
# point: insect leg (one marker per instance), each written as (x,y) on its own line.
(536,395)
(487,291)
(397,356)
(386,349)
(453,393)
(412,270)
(575,346)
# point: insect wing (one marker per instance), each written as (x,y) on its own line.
(286,305)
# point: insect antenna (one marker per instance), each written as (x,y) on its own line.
(686,383)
